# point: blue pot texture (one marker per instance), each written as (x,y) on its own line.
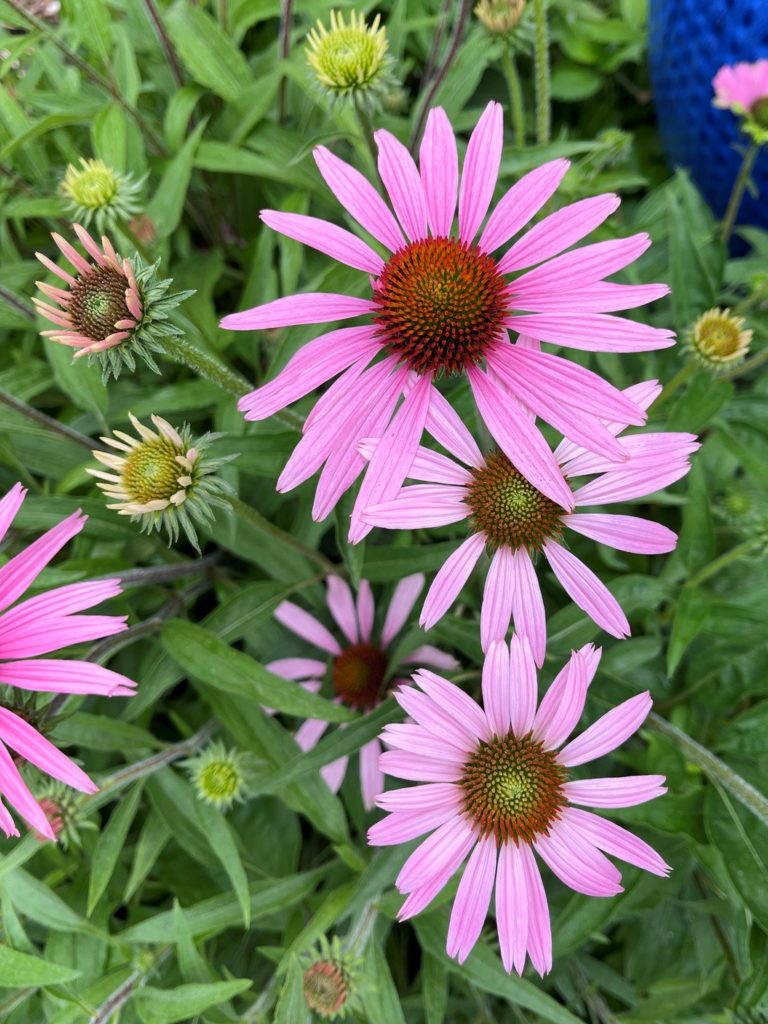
(689,40)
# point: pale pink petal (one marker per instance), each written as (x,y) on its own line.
(421,896)
(473,897)
(562,704)
(342,607)
(53,675)
(438,720)
(297,668)
(449,580)
(10,504)
(418,507)
(410,737)
(617,841)
(480,170)
(432,467)
(333,773)
(608,732)
(371,776)
(440,854)
(519,439)
(421,798)
(81,265)
(19,572)
(403,184)
(586,590)
(418,768)
(447,428)
(603,297)
(460,705)
(60,601)
(329,239)
(306,308)
(539,927)
(520,203)
(496,687)
(496,609)
(439,164)
(646,451)
(558,232)
(625,533)
(15,791)
(634,482)
(402,828)
(360,198)
(42,635)
(306,626)
(393,456)
(431,656)
(580,267)
(619,791)
(512,906)
(593,332)
(523,685)
(400,607)
(308,734)
(365,610)
(577,862)
(528,604)
(28,742)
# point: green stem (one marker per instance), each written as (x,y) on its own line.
(151,575)
(713,767)
(50,424)
(366,129)
(740,551)
(516,108)
(180,351)
(737,193)
(21,307)
(677,381)
(256,519)
(541,53)
(746,367)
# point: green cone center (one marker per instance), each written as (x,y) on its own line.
(151,472)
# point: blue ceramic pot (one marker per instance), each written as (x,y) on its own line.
(689,41)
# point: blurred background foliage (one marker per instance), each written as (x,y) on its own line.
(167,909)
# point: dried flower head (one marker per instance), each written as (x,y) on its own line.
(220,776)
(718,339)
(98,192)
(163,479)
(113,309)
(331,977)
(350,59)
(500,16)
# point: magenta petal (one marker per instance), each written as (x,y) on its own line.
(524,686)
(53,675)
(586,590)
(562,704)
(602,297)
(443,851)
(580,268)
(512,906)
(400,607)
(520,203)
(593,332)
(342,607)
(360,198)
(618,791)
(447,428)
(577,862)
(329,239)
(10,504)
(473,897)
(18,573)
(28,742)
(528,604)
(496,687)
(625,533)
(403,184)
(466,712)
(449,580)
(496,610)
(480,170)
(617,841)
(307,308)
(608,732)
(15,791)
(439,163)
(306,626)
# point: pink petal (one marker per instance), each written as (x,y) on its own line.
(309,733)
(643,395)
(457,703)
(371,776)
(435,468)
(633,482)
(417,740)
(562,704)
(539,927)
(421,896)
(439,855)
(620,791)
(297,668)
(60,601)
(401,606)
(447,428)
(418,507)
(327,238)
(439,163)
(603,297)
(528,604)
(417,767)
(53,675)
(586,590)
(512,906)
(393,456)
(365,610)
(403,184)
(608,732)
(360,198)
(41,635)
(306,308)
(27,741)
(440,721)
(617,841)
(580,267)
(577,862)
(402,828)
(497,687)
(10,504)
(625,533)
(520,203)
(15,791)
(313,365)
(496,609)
(593,332)
(19,572)
(523,686)
(7,823)
(431,656)
(81,265)
(480,170)
(333,773)
(519,439)
(342,607)
(306,626)
(421,798)
(473,897)
(449,580)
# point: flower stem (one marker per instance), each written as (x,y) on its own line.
(250,515)
(18,304)
(716,566)
(677,381)
(284,49)
(541,52)
(737,193)
(366,128)
(746,367)
(49,423)
(517,110)
(153,574)
(203,365)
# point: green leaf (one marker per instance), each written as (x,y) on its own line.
(691,616)
(291,1006)
(208,54)
(33,899)
(696,544)
(743,842)
(110,844)
(80,382)
(212,662)
(434,988)
(155,833)
(20,969)
(222,840)
(167,204)
(167,1006)
(380,997)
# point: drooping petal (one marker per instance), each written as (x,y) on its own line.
(586,590)
(451,577)
(54,675)
(333,773)
(528,604)
(473,898)
(442,852)
(291,310)
(400,607)
(342,607)
(521,202)
(306,626)
(403,184)
(512,906)
(625,533)
(447,428)
(617,841)
(618,791)
(309,733)
(496,609)
(439,163)
(608,732)
(10,504)
(18,573)
(480,170)
(577,862)
(329,239)
(15,791)
(33,747)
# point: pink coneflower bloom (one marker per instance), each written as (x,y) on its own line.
(40,625)
(442,301)
(743,88)
(516,521)
(498,787)
(359,664)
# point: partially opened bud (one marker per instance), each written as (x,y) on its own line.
(499,16)
(98,192)
(718,339)
(350,60)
